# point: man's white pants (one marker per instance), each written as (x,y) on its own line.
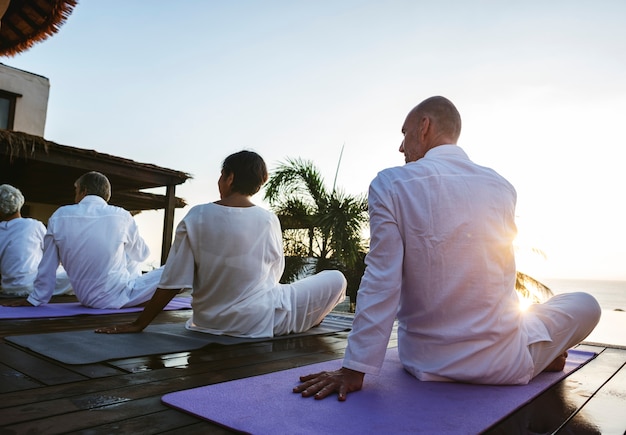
(143,287)
(569,318)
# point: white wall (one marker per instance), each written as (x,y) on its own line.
(31,107)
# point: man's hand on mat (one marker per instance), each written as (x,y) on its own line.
(20,303)
(321,385)
(126,328)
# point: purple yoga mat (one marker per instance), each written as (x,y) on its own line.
(393,402)
(76,309)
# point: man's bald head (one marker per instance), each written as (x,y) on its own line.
(443,114)
(433,122)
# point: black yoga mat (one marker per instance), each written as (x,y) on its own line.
(87,347)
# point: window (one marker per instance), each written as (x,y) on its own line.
(7,109)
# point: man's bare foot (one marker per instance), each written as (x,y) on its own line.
(558,364)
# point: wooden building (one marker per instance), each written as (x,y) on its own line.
(45,173)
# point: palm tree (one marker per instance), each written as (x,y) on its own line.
(531,290)
(317,223)
(528,288)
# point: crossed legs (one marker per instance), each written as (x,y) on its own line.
(568,318)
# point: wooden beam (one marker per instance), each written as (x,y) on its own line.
(110,166)
(168,222)
(17,147)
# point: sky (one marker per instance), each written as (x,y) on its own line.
(540,86)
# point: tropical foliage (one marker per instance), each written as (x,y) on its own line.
(317,222)
(531,290)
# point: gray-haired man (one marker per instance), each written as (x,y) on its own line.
(99,246)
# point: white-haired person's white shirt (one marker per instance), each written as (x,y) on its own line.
(21,249)
(95,242)
(233,259)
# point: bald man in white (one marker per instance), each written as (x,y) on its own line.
(441,261)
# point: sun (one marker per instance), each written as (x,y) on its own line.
(524,303)
(530,256)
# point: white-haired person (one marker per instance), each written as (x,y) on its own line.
(21,248)
(99,246)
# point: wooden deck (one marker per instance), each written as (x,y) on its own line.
(42,396)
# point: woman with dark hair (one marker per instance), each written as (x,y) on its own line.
(230,253)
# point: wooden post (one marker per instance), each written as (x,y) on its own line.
(168,221)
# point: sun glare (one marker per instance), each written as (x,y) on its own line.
(524,303)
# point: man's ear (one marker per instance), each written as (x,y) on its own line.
(80,195)
(424,126)
(230,178)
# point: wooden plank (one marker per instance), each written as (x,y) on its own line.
(94,386)
(13,380)
(83,419)
(36,368)
(47,410)
(156,422)
(604,412)
(200,428)
(547,412)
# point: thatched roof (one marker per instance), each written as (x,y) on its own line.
(45,173)
(26,22)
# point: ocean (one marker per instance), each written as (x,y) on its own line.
(611,295)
